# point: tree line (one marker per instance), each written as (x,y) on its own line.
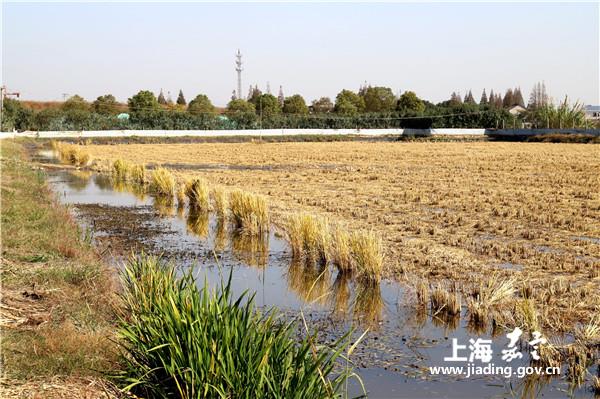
(369,107)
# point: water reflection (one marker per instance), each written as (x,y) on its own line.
(78,179)
(164,205)
(311,283)
(198,222)
(249,248)
(368,305)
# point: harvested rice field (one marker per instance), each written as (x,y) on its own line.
(453,212)
(402,245)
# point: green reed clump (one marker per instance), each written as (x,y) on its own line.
(250,212)
(197,192)
(163,182)
(188,342)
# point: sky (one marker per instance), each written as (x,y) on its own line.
(313,49)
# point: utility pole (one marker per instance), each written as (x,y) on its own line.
(238,68)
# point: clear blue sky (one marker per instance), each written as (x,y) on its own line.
(311,49)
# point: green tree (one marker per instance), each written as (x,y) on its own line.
(267,106)
(201,105)
(161,98)
(105,105)
(75,103)
(409,102)
(254,95)
(143,101)
(181,98)
(484,99)
(455,99)
(518,97)
(508,100)
(15,116)
(242,112)
(469,98)
(295,105)
(349,103)
(379,99)
(322,106)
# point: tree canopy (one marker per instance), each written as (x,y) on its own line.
(201,105)
(75,103)
(143,101)
(181,98)
(322,106)
(379,99)
(349,103)
(409,102)
(295,105)
(105,105)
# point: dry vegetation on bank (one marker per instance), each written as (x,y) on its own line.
(56,320)
(447,211)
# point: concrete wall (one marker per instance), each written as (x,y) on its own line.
(296,132)
(229,133)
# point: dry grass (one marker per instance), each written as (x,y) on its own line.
(367,251)
(163,182)
(446,211)
(220,201)
(138,174)
(121,170)
(249,212)
(71,153)
(309,237)
(445,302)
(197,192)
(57,297)
(341,252)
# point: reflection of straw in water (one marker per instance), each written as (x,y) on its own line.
(531,386)
(310,283)
(119,186)
(476,327)
(250,249)
(103,182)
(340,295)
(164,205)
(368,305)
(197,223)
(220,239)
(180,210)
(446,321)
(139,191)
(78,179)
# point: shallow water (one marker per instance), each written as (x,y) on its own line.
(402,343)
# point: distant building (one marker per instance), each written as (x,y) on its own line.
(516,110)
(592,112)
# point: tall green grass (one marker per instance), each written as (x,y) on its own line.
(184,342)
